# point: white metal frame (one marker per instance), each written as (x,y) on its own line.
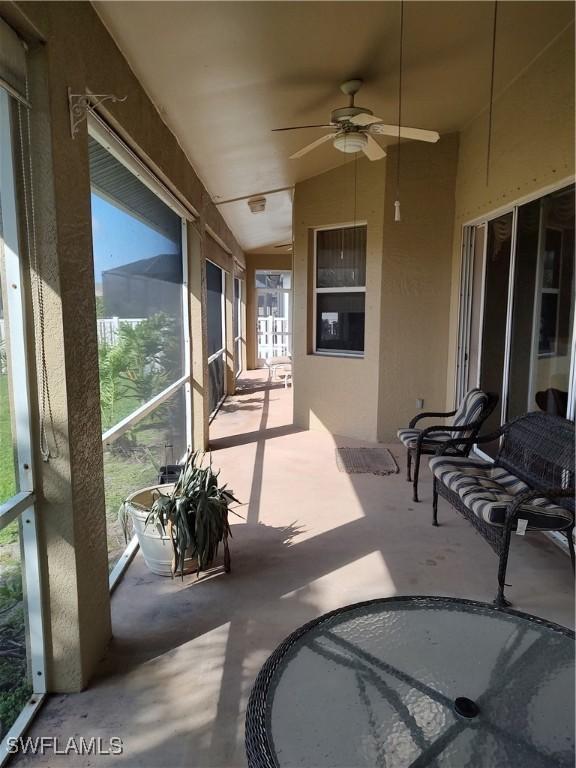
(238,309)
(99,131)
(22,503)
(221,352)
(354,289)
(263,291)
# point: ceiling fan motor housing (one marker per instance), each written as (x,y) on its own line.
(344,114)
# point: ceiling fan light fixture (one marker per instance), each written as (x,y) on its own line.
(350,142)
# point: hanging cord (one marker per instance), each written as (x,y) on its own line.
(355,186)
(397,201)
(30,224)
(491,110)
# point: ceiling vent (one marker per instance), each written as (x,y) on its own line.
(257,204)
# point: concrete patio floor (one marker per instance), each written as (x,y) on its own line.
(175,682)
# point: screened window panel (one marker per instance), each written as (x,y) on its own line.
(215,383)
(340,321)
(266,279)
(341,258)
(236,313)
(138,277)
(8,475)
(214,308)
(495,311)
(133,461)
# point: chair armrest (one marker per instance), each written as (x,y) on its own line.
(491,436)
(550,493)
(428,415)
(430,431)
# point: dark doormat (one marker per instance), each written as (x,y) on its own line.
(374,461)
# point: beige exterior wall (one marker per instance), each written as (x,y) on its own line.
(532,148)
(338,394)
(70,47)
(256,261)
(407,294)
(416,265)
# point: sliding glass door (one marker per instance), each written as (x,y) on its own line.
(517,308)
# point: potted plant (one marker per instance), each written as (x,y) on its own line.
(180,526)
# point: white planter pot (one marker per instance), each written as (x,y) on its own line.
(156,547)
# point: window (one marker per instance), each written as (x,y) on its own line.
(141,310)
(340,290)
(216,320)
(273,314)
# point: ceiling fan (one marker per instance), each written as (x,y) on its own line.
(353,128)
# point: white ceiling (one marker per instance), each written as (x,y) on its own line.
(223,74)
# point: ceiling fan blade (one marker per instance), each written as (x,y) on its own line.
(310,147)
(298,127)
(418,134)
(373,150)
(365,119)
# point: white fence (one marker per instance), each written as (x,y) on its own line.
(274,337)
(108,328)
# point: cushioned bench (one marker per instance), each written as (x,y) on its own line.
(529,487)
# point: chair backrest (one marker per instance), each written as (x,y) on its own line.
(539,449)
(472,409)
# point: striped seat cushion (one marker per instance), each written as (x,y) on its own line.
(487,490)
(410,437)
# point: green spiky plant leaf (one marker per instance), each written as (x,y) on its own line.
(195,514)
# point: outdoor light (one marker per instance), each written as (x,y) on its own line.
(350,142)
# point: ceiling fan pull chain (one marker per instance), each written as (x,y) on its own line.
(491,110)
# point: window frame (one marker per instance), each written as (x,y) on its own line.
(238,338)
(22,504)
(222,351)
(354,354)
(259,291)
(116,147)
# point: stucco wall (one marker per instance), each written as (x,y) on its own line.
(407,298)
(338,394)
(70,47)
(256,261)
(416,266)
(532,148)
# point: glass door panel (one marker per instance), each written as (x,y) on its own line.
(543,313)
(476,311)
(496,283)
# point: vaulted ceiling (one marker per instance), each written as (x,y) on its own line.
(223,74)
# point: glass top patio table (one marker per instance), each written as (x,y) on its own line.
(416,681)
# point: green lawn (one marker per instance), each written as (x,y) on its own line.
(134,460)
(7,473)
